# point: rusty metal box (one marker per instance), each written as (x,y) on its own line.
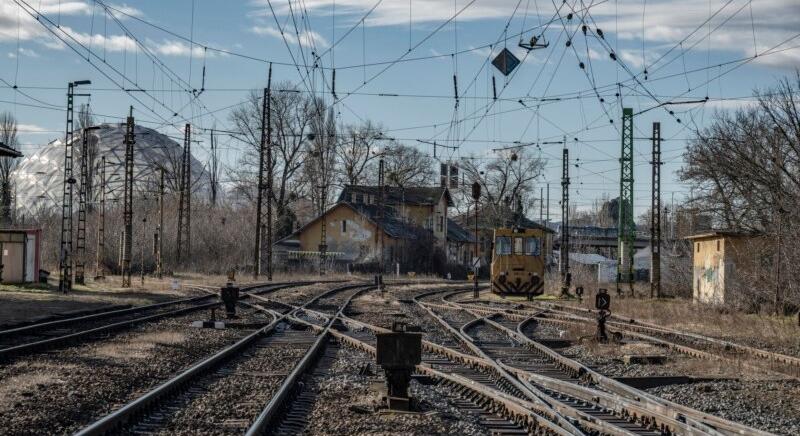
(399,349)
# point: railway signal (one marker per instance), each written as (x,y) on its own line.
(602,302)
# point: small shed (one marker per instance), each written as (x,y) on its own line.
(21,255)
(720,259)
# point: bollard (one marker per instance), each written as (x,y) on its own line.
(230,295)
(398,353)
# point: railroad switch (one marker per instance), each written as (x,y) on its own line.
(229,295)
(398,353)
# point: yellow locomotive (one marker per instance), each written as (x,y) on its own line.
(518,261)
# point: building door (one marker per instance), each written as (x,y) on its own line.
(13,262)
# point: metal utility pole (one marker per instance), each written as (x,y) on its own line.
(80,245)
(655,218)
(185,198)
(269,175)
(99,270)
(541,205)
(127,252)
(144,242)
(476,195)
(323,236)
(263,162)
(65,253)
(564,253)
(381,217)
(160,230)
(627,227)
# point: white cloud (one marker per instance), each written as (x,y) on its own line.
(394,12)
(125,10)
(174,48)
(32,129)
(306,39)
(667,23)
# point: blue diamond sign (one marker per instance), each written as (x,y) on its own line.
(505,62)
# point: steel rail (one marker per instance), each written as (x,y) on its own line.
(518,410)
(142,404)
(702,421)
(277,402)
(631,324)
(655,417)
(16,350)
(592,423)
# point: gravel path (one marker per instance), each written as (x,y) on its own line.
(63,390)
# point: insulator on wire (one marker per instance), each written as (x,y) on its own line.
(600,33)
(602,100)
(613,56)
(569,16)
(494,88)
(582,66)
(583,29)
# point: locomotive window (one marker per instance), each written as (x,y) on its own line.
(532,246)
(503,245)
(518,245)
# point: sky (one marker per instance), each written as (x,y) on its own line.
(400,63)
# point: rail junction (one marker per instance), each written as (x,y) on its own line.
(300,359)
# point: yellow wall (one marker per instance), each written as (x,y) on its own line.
(718,263)
(358,241)
(708,278)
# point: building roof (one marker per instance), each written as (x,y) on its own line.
(456,233)
(722,234)
(468,221)
(391,225)
(6,151)
(415,195)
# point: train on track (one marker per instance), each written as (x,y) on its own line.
(518,261)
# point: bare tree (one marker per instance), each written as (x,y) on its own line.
(745,173)
(355,153)
(291,123)
(318,170)
(508,182)
(8,136)
(406,166)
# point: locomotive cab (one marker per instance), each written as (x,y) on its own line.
(518,261)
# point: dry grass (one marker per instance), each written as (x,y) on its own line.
(681,314)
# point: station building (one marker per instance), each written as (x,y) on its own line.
(412,217)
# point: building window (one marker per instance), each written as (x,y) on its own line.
(717,244)
(441,224)
(344,226)
(698,247)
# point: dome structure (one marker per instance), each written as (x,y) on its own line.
(39,177)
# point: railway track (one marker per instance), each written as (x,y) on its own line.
(269,357)
(691,344)
(686,342)
(53,334)
(487,404)
(573,384)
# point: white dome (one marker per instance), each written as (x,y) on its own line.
(39,177)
